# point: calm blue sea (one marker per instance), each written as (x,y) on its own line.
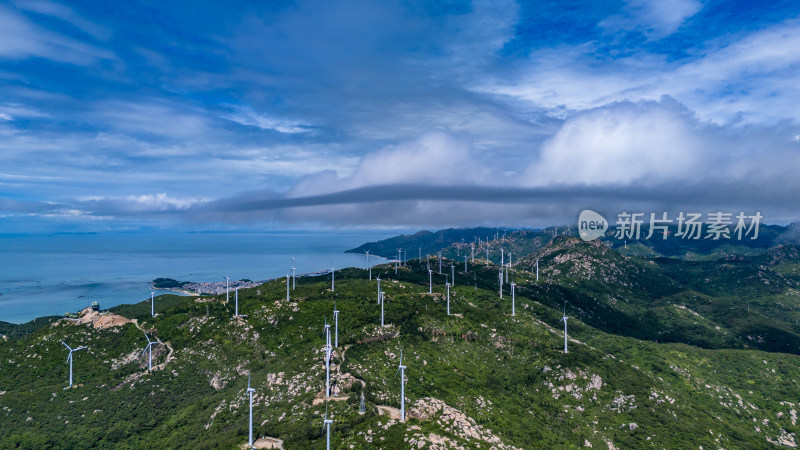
(52,274)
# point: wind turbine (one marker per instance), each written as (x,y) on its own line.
(236,296)
(448,298)
(149,348)
(381,297)
(369,266)
(227,285)
(564,319)
(293,272)
(513,298)
(327,334)
(428,260)
(333,276)
(287,286)
(401,369)
(465,263)
(379,288)
(336,322)
(501,282)
(440,263)
(453,273)
(397,262)
(487,255)
(430,281)
(327,422)
(250,393)
(152,304)
(537,270)
(69,358)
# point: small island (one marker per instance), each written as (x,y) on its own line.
(168,283)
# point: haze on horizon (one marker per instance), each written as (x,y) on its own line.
(393,114)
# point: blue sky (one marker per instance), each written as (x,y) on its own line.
(274,115)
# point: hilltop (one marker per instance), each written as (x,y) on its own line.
(477,378)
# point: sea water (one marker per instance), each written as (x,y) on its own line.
(53,274)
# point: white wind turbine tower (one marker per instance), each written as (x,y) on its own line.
(287,286)
(336,324)
(333,276)
(379,288)
(236,296)
(69,358)
(250,393)
(430,281)
(381,297)
(537,270)
(327,334)
(227,285)
(428,261)
(453,273)
(327,422)
(508,268)
(501,281)
(397,262)
(369,265)
(401,369)
(152,304)
(564,319)
(448,298)
(149,348)
(513,298)
(293,274)
(487,255)
(465,264)
(440,263)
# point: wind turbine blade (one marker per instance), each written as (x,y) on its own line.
(65,345)
(248,381)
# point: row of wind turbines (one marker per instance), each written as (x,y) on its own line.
(148,348)
(329,345)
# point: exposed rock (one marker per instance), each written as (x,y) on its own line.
(100,320)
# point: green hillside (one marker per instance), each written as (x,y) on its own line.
(478,378)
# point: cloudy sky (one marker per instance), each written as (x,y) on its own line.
(277,115)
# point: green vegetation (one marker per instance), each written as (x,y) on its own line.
(664,353)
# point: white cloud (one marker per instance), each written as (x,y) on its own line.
(647,143)
(159,202)
(437,157)
(248,117)
(748,77)
(23,39)
(618,144)
(655,18)
(66,14)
